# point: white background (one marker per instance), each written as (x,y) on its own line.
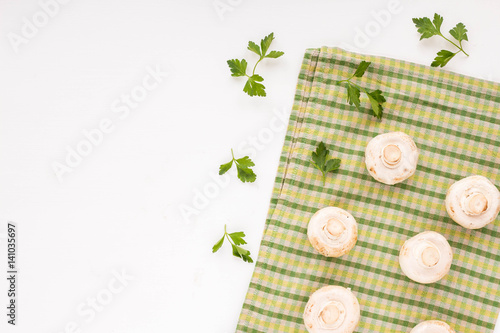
(119,209)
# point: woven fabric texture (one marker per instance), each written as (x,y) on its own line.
(455,123)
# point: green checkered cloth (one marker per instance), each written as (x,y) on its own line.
(455,122)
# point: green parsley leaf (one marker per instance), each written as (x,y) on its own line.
(225,167)
(319,156)
(332,165)
(243,166)
(241,253)
(257,77)
(236,253)
(459,32)
(246,174)
(428,29)
(254,47)
(275,54)
(319,160)
(354,92)
(245,162)
(235,239)
(253,87)
(218,245)
(438,21)
(238,68)
(361,68)
(266,42)
(376,100)
(442,58)
(247,258)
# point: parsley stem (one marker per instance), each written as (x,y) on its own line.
(233,160)
(459,47)
(254,67)
(348,81)
(362,89)
(355,85)
(227,235)
(345,80)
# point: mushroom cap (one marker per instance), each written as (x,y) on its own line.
(332,231)
(426,257)
(391,157)
(432,326)
(473,202)
(332,309)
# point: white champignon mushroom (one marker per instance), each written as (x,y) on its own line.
(473,202)
(426,257)
(391,157)
(332,309)
(432,326)
(332,231)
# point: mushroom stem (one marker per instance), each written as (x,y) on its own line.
(430,256)
(330,314)
(391,154)
(335,227)
(475,204)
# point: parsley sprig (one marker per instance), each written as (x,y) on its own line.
(354,92)
(253,87)
(243,165)
(235,239)
(428,29)
(319,160)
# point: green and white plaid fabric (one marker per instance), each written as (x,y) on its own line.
(455,122)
